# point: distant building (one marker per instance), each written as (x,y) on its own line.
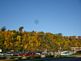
(79,37)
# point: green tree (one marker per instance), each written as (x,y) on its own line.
(21,29)
(3,28)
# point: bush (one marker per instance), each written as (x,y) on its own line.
(49,56)
(29,57)
(37,56)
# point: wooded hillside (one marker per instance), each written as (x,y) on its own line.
(36,41)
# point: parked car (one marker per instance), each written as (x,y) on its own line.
(66,53)
(1,54)
(8,54)
(26,54)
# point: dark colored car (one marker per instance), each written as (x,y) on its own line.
(19,53)
(26,54)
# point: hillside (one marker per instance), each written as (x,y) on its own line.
(36,41)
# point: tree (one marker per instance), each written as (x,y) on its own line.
(21,29)
(3,28)
(1,41)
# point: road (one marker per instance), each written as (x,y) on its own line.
(54,59)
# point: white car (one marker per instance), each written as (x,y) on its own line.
(66,53)
(1,54)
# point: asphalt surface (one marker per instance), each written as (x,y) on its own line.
(54,59)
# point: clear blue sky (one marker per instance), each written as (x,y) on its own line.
(55,16)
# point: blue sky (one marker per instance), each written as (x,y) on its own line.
(55,16)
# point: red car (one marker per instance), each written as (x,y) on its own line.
(26,54)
